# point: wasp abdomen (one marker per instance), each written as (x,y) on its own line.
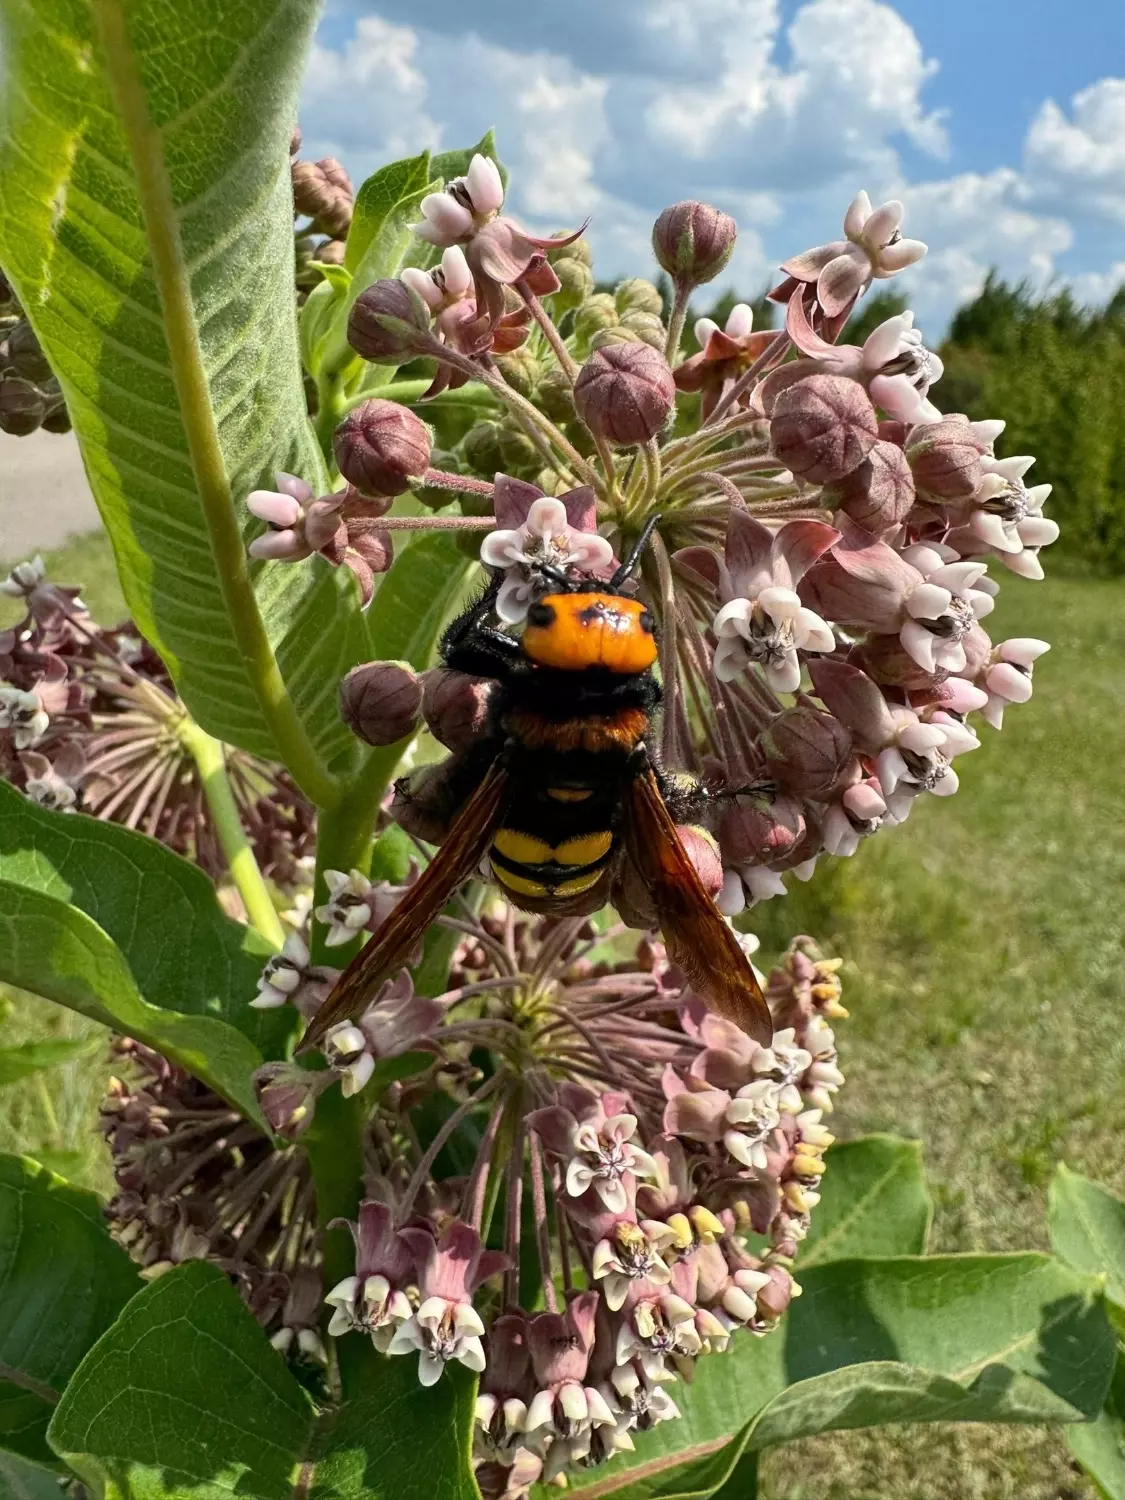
(529,866)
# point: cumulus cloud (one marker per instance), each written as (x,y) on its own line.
(1080,162)
(779,126)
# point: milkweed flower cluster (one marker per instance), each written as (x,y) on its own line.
(649,1139)
(828,540)
(90,721)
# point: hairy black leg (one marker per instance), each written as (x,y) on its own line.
(471,645)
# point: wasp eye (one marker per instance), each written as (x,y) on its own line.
(648,624)
(540,614)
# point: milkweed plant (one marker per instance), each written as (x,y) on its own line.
(535,1217)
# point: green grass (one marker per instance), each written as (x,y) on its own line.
(985,977)
(87,562)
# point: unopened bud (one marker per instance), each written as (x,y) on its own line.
(389,323)
(596,313)
(624,393)
(380,447)
(647,327)
(638,295)
(331,252)
(426,801)
(760,831)
(518,453)
(554,396)
(576,281)
(322,190)
(701,848)
(21,406)
(945,457)
(879,493)
(823,427)
(778,1292)
(25,353)
(808,752)
(287,1095)
(693,241)
(381,701)
(520,369)
(481,447)
(295,139)
(456,705)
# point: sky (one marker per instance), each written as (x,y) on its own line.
(999,123)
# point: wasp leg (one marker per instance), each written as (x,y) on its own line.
(470,645)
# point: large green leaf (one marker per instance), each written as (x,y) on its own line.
(1088,1230)
(991,1338)
(184,1397)
(185,954)
(416,598)
(62,1283)
(56,951)
(146,223)
(1099,1446)
(873,1202)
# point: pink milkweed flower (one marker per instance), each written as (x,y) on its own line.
(565,1406)
(464,204)
(540,530)
(23,715)
(1007,678)
(445,1325)
(339,527)
(289,978)
(395,1021)
(784,1064)
(54,784)
(373,1301)
(859,811)
(1008,515)
(725,353)
(449,293)
(942,609)
(762,619)
(894,366)
(283,510)
(45,601)
(499,253)
(631,1253)
(872,249)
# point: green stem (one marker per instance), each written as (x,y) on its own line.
(170,273)
(344,837)
(406,392)
(331,409)
(211,762)
(676,323)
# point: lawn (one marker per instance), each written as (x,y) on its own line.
(985,977)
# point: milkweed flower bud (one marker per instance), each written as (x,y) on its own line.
(879,493)
(823,427)
(808,752)
(624,393)
(945,458)
(456,705)
(322,190)
(693,241)
(381,446)
(25,353)
(389,323)
(381,701)
(21,406)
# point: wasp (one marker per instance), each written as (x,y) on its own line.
(559,788)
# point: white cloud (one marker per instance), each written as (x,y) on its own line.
(1081,161)
(779,127)
(855,82)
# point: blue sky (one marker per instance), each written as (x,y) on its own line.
(1000,123)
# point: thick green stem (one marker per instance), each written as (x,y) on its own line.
(344,836)
(407,392)
(170,273)
(331,409)
(210,759)
(676,323)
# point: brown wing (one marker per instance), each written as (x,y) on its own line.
(390,946)
(698,939)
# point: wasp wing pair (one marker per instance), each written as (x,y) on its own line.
(698,940)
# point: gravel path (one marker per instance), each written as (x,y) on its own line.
(44,497)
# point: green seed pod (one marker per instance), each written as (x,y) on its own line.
(638,295)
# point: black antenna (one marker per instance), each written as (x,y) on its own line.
(632,562)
